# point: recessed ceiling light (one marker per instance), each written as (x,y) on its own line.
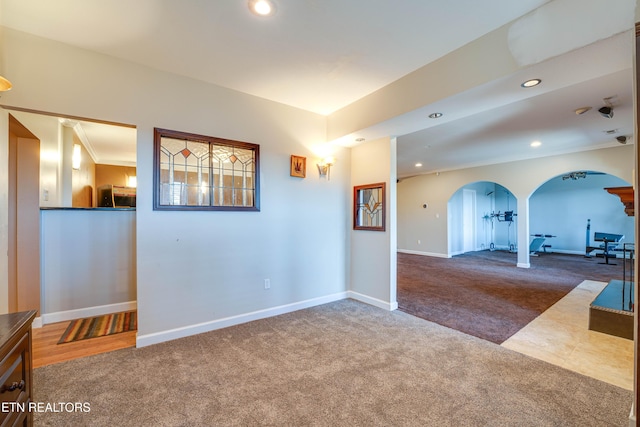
(536,144)
(262,7)
(531,83)
(435,115)
(582,110)
(418,165)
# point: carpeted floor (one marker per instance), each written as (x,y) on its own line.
(340,364)
(485,295)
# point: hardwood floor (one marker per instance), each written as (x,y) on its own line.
(46,350)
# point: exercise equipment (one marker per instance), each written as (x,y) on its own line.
(610,243)
(509,218)
(538,242)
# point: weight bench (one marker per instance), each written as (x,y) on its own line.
(535,245)
(538,242)
(610,242)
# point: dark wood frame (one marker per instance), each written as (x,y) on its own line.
(157,136)
(636,348)
(356,190)
(292,170)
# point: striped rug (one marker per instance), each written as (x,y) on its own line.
(100,326)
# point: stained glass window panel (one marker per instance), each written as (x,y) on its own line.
(369,207)
(194,171)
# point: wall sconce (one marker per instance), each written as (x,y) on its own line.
(324,167)
(5,84)
(132,181)
(77,156)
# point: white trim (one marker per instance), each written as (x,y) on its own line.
(85,141)
(524,265)
(561,251)
(373,301)
(185,331)
(63,316)
(37,322)
(433,254)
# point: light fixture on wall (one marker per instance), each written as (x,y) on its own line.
(5,84)
(76,157)
(132,181)
(324,167)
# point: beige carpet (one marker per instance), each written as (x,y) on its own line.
(340,364)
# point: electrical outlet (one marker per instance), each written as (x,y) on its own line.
(267,283)
(418,241)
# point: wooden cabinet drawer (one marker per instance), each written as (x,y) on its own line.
(14,381)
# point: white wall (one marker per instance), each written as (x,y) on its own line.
(485,224)
(88,261)
(47,129)
(521,178)
(196,270)
(373,255)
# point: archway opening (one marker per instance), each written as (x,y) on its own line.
(482,215)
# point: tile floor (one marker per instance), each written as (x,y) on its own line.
(561,337)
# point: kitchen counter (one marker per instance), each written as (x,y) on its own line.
(84,209)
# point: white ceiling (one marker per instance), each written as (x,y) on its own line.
(321,55)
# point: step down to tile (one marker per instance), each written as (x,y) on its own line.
(611,312)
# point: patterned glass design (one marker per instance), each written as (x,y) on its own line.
(368,205)
(205,173)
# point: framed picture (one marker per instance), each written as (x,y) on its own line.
(298,166)
(369,207)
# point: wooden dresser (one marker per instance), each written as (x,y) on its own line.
(15,368)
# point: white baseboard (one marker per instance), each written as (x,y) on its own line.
(37,322)
(372,301)
(433,254)
(562,251)
(172,334)
(63,316)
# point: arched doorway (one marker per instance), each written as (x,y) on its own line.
(482,215)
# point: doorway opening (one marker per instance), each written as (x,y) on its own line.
(87,250)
